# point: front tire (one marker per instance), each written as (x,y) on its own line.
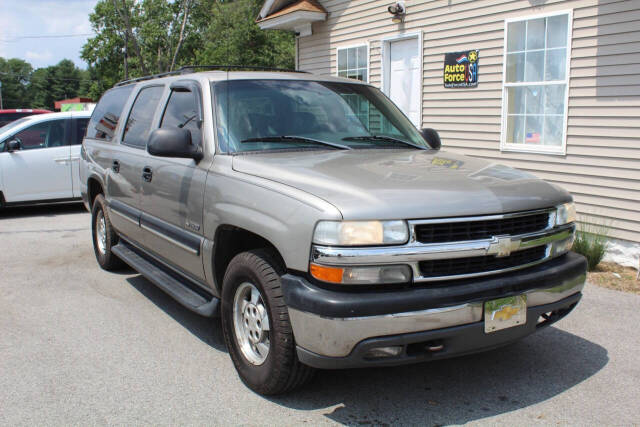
(104,236)
(256,325)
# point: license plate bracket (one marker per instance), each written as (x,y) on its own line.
(505,313)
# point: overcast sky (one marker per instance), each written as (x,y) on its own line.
(19,18)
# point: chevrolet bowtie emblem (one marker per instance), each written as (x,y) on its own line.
(503,246)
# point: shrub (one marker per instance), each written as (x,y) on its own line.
(591,241)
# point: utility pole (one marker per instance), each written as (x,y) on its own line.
(126,54)
(1,96)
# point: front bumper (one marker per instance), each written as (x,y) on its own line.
(335,329)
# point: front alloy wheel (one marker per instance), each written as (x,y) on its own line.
(251,323)
(255,322)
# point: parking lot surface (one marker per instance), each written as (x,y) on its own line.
(82,346)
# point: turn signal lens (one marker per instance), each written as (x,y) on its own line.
(327,274)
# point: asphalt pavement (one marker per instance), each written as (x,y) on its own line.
(79,345)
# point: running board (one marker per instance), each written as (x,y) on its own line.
(190,299)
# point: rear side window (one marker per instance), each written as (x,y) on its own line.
(42,135)
(107,113)
(182,112)
(79,129)
(139,122)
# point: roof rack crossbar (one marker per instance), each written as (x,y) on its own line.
(192,68)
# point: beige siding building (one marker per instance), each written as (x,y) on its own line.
(558,84)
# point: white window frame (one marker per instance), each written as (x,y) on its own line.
(530,148)
(352,46)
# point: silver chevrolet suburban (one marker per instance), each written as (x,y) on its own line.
(322,227)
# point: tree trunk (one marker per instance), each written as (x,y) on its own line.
(187,4)
(124,15)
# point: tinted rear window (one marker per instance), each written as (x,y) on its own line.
(106,115)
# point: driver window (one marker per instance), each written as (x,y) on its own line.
(42,135)
(182,112)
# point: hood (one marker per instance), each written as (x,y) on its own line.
(403,184)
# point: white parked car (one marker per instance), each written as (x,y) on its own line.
(39,158)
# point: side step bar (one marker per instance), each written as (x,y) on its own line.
(190,299)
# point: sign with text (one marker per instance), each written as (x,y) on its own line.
(461,69)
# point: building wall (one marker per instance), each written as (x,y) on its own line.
(602,165)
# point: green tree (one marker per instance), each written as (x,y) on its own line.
(233,37)
(14,75)
(61,81)
(162,35)
(159,35)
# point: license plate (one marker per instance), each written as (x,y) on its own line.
(505,313)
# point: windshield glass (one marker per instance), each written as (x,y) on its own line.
(254,115)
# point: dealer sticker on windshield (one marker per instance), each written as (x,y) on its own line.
(505,313)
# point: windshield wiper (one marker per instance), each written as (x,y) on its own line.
(294,139)
(382,138)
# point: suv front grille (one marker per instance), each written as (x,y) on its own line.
(484,229)
(480,264)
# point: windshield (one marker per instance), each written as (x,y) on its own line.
(255,115)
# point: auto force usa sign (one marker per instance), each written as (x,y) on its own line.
(461,69)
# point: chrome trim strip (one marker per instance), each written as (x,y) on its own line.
(123,216)
(413,252)
(169,239)
(336,337)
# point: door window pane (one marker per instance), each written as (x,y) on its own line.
(42,135)
(80,129)
(138,124)
(352,63)
(182,112)
(107,113)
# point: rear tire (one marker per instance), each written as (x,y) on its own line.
(104,236)
(256,326)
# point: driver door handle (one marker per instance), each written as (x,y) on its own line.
(147,174)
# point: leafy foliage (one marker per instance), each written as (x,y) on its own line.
(170,34)
(23,87)
(591,241)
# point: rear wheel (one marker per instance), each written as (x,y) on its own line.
(104,236)
(256,326)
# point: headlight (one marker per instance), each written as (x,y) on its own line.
(565,213)
(355,233)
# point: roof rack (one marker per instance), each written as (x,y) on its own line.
(193,68)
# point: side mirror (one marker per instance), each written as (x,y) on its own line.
(13,145)
(432,138)
(173,142)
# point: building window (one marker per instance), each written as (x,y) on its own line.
(353,62)
(535,83)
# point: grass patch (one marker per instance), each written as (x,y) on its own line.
(591,241)
(614,276)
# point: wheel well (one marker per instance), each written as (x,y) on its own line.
(229,242)
(93,189)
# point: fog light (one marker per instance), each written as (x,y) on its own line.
(383,352)
(561,246)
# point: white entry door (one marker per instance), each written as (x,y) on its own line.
(403,82)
